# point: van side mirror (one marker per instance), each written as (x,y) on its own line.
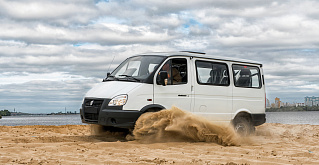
(107,75)
(163,76)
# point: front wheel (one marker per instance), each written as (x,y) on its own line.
(243,127)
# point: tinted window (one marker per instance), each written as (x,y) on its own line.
(177,71)
(211,73)
(246,76)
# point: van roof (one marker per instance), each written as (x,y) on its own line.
(200,55)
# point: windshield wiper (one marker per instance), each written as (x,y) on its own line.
(128,76)
(110,76)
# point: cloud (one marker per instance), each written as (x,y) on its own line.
(106,34)
(60,12)
(64,47)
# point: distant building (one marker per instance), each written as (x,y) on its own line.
(277,102)
(300,104)
(268,105)
(311,101)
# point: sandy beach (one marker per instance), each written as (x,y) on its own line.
(84,144)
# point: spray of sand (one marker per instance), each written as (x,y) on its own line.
(176,125)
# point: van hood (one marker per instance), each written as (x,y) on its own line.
(109,89)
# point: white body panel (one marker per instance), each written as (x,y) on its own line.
(250,100)
(139,97)
(180,95)
(111,89)
(211,101)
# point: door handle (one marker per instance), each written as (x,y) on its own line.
(183,95)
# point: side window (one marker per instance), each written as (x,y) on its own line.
(177,71)
(212,73)
(246,76)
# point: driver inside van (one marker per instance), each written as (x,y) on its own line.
(175,74)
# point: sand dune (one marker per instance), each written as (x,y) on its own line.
(80,144)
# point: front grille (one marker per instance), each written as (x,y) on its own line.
(91,109)
(93,103)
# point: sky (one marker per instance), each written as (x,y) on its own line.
(53,51)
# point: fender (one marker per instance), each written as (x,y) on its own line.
(157,106)
(255,119)
(240,111)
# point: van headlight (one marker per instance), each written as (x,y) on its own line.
(118,100)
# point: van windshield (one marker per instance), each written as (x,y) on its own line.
(137,68)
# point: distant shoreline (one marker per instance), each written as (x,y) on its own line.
(43,114)
(289,111)
(293,109)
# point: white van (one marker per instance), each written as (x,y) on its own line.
(220,89)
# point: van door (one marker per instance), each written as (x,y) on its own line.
(248,92)
(213,92)
(177,92)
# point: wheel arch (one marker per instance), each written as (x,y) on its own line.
(242,113)
(152,108)
(243,123)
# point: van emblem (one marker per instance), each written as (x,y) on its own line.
(91,103)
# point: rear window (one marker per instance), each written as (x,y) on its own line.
(246,76)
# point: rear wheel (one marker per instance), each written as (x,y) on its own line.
(243,126)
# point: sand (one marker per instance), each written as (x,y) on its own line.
(84,144)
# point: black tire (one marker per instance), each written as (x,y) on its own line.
(243,127)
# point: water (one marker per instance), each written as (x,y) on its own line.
(305,117)
(41,120)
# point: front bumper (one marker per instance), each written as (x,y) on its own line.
(96,111)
